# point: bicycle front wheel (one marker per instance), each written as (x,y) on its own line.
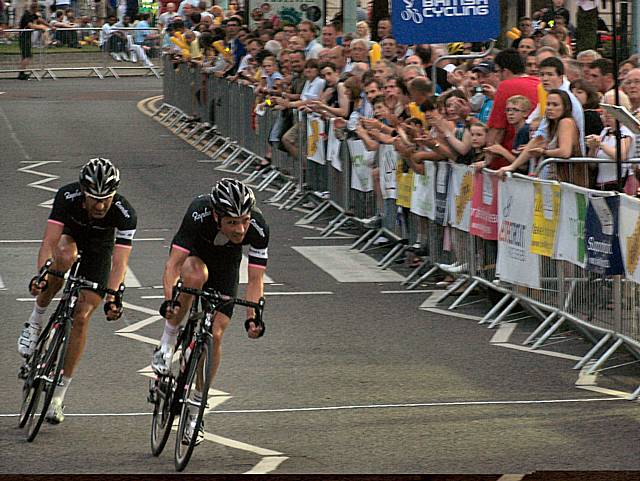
(163,413)
(48,375)
(192,412)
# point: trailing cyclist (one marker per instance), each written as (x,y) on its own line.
(91,218)
(206,253)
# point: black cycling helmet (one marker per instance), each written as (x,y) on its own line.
(99,178)
(232,198)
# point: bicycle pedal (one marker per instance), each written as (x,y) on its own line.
(23,372)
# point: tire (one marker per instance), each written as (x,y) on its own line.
(31,382)
(48,377)
(164,411)
(201,359)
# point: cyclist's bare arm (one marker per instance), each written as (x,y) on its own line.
(255,290)
(52,235)
(177,257)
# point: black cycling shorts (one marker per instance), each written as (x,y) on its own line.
(25,45)
(224,272)
(95,261)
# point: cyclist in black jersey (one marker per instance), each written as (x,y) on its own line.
(206,252)
(90,217)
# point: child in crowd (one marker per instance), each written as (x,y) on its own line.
(517,109)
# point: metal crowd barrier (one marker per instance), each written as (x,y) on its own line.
(78,51)
(604,309)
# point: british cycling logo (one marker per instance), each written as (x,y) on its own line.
(124,211)
(72,195)
(443,8)
(197,216)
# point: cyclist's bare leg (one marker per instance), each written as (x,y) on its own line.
(220,323)
(194,274)
(88,301)
(63,258)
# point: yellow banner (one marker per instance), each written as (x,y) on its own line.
(546,212)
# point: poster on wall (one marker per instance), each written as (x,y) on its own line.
(286,12)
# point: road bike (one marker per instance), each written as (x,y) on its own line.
(42,371)
(171,394)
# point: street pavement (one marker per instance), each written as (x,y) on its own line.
(351,377)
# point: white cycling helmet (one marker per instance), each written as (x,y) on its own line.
(232,198)
(99,178)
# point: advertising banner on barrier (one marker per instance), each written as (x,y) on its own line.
(361,162)
(333,147)
(460,194)
(315,139)
(445,21)
(546,213)
(601,236)
(423,199)
(484,206)
(516,264)
(387,161)
(570,245)
(629,232)
(442,184)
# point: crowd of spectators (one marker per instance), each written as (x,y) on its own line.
(509,110)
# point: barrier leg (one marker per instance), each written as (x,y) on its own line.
(540,328)
(504,313)
(495,308)
(464,295)
(635,395)
(415,272)
(334,225)
(605,356)
(363,238)
(423,277)
(455,285)
(314,214)
(592,352)
(395,253)
(273,175)
(548,333)
(281,193)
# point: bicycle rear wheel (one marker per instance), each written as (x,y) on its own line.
(48,375)
(200,362)
(164,411)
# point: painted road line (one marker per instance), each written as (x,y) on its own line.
(503,333)
(138,337)
(511,477)
(130,279)
(416,291)
(140,324)
(267,465)
(145,310)
(37,241)
(33,299)
(2,286)
(240,445)
(267,294)
(538,351)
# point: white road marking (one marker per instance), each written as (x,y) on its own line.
(29,169)
(14,135)
(240,445)
(503,333)
(267,465)
(144,310)
(138,337)
(346,265)
(511,477)
(244,269)
(267,294)
(37,241)
(517,347)
(130,279)
(416,291)
(140,324)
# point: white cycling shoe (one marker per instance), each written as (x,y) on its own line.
(28,339)
(161,361)
(190,427)
(55,413)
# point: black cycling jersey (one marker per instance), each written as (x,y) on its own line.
(118,225)
(199,234)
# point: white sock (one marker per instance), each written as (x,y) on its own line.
(170,334)
(196,395)
(37,315)
(61,390)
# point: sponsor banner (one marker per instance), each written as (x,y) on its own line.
(484,206)
(445,21)
(361,162)
(315,139)
(601,235)
(442,184)
(516,264)
(387,162)
(629,233)
(286,12)
(570,244)
(423,199)
(546,213)
(460,194)
(333,147)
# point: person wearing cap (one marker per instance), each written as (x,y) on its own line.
(485,92)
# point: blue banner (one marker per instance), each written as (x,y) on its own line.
(445,21)
(601,236)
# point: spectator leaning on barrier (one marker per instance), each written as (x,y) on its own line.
(513,82)
(29,20)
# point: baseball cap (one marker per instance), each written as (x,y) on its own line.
(484,67)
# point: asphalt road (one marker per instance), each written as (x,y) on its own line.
(350,377)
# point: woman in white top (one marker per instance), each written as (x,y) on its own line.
(603,146)
(314,84)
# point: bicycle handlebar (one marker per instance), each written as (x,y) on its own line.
(81,281)
(218,298)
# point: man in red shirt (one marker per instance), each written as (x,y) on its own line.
(513,81)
